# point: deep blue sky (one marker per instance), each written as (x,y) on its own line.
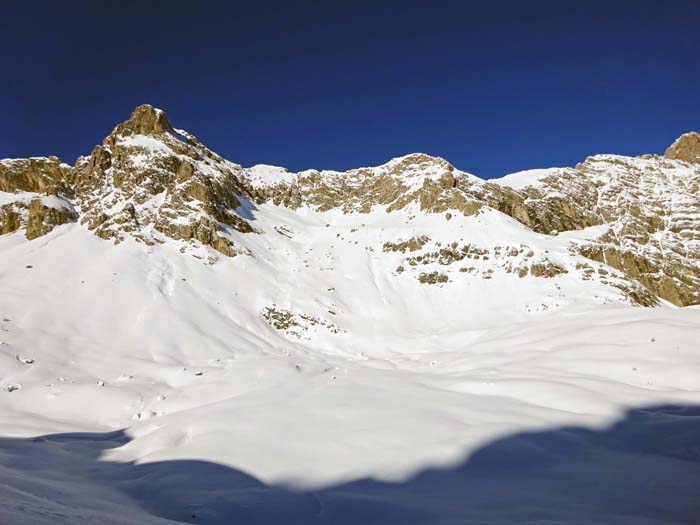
(494,87)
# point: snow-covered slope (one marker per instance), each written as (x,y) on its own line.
(399,344)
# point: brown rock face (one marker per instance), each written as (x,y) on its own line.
(39,217)
(43,218)
(686,148)
(27,180)
(37,174)
(145,176)
(394,186)
(10,218)
(145,120)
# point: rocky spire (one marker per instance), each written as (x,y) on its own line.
(162,185)
(145,120)
(686,147)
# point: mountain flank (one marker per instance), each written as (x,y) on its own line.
(150,182)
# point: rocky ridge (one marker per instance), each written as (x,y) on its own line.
(152,182)
(35,194)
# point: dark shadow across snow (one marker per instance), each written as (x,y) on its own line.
(644,469)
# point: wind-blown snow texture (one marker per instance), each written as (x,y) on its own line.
(346,365)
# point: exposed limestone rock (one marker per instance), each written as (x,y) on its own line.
(279,319)
(546,269)
(295,324)
(38,188)
(42,217)
(147,178)
(432,278)
(448,255)
(39,216)
(37,174)
(413,244)
(11,217)
(651,206)
(507,259)
(686,148)
(636,294)
(669,276)
(418,178)
(145,120)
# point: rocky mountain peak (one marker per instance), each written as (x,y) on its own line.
(145,120)
(686,147)
(149,181)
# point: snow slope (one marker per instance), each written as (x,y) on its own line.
(527,178)
(163,394)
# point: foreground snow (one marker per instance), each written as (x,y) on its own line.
(140,385)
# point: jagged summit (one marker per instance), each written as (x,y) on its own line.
(686,148)
(149,181)
(145,120)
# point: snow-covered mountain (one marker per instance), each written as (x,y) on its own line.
(163,307)
(636,219)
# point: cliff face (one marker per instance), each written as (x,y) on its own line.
(686,148)
(35,194)
(639,217)
(650,208)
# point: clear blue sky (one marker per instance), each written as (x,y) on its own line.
(494,87)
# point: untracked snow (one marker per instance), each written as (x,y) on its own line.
(523,179)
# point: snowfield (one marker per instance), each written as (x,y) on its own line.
(139,384)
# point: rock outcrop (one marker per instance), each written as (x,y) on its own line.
(45,213)
(36,174)
(147,180)
(37,195)
(686,148)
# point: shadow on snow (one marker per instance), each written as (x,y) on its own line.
(643,469)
